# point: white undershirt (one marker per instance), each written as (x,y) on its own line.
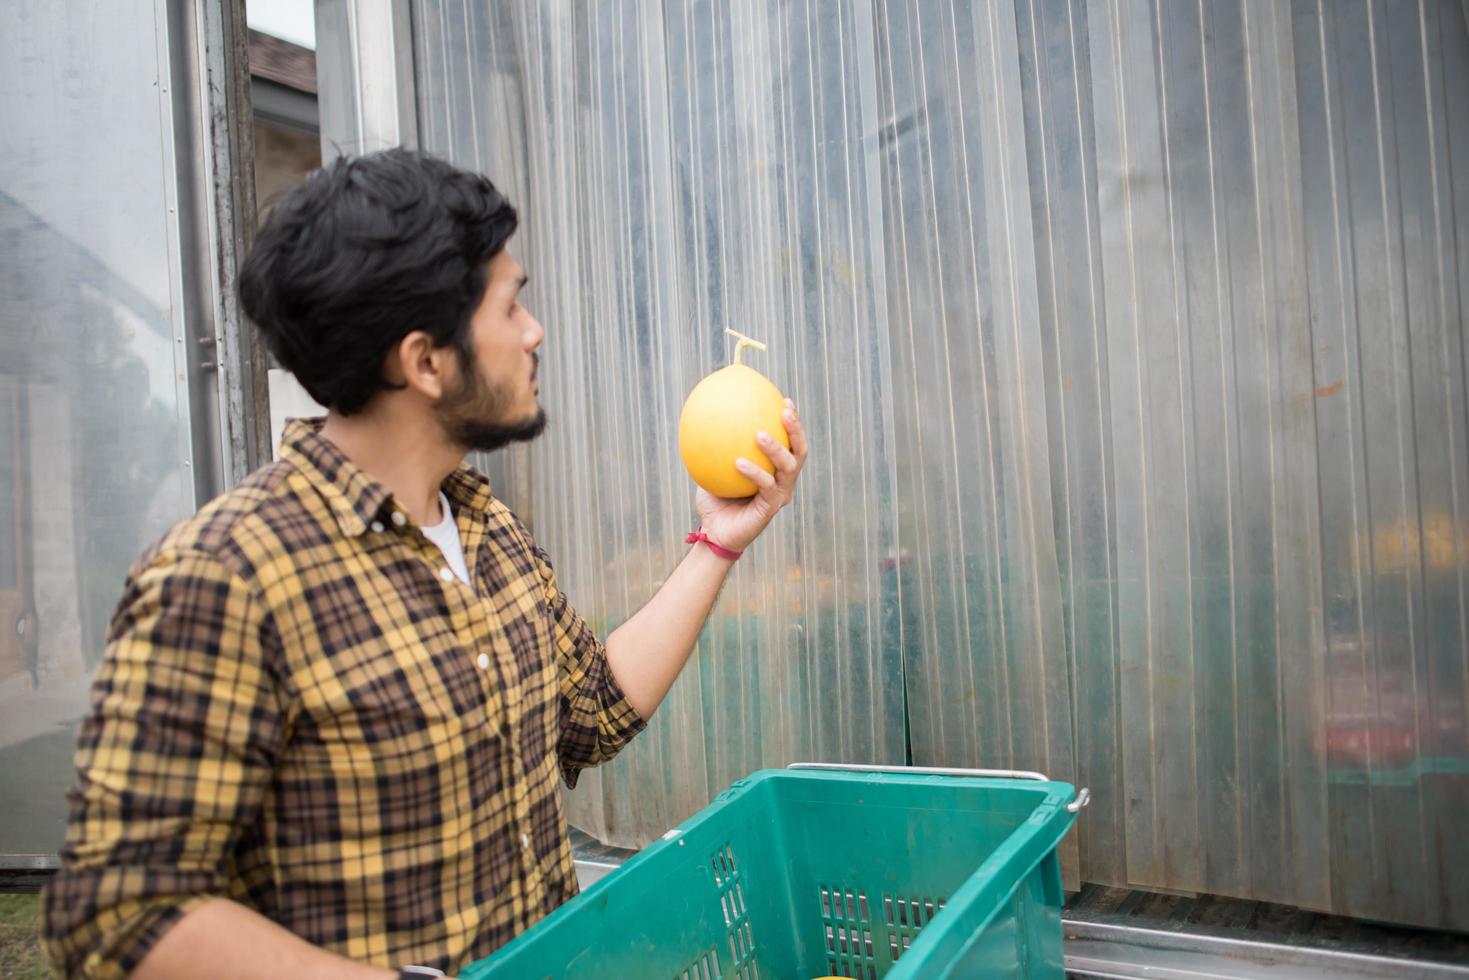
(445,534)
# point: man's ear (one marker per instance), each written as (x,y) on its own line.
(419,365)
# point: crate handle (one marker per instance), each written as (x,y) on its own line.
(1039,777)
(1083,795)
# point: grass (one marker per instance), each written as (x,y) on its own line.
(20,948)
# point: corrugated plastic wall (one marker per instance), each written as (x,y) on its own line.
(1132,339)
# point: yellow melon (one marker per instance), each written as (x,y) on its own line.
(720,419)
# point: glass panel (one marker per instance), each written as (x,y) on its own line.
(94,423)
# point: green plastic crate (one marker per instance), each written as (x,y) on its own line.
(803,874)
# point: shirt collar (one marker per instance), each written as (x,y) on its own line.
(468,488)
(356,499)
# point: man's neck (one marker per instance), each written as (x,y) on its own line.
(409,457)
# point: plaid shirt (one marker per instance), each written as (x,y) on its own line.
(302,709)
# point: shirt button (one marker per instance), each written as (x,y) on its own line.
(483,660)
(377,527)
(399,518)
(447,574)
(525,841)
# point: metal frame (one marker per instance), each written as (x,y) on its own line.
(1098,948)
(214,176)
(12,444)
(222,391)
(27,863)
(242,362)
(173,21)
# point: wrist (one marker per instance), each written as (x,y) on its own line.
(714,546)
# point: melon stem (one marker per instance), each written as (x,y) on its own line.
(741,343)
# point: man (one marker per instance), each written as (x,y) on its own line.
(325,738)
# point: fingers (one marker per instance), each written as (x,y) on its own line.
(777,486)
(763,480)
(791,419)
(779,455)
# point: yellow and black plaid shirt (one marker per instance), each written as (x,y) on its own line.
(302,709)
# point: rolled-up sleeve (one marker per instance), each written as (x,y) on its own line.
(173,760)
(596,718)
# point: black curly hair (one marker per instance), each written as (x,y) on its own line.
(363,252)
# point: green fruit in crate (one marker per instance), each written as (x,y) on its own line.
(720,420)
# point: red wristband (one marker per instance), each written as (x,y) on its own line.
(696,536)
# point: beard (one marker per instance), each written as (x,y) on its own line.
(472,414)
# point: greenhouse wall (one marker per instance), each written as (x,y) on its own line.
(1130,337)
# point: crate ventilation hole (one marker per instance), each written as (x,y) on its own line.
(848,923)
(738,935)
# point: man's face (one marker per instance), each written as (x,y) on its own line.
(494,399)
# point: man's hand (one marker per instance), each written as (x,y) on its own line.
(647,652)
(734,524)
